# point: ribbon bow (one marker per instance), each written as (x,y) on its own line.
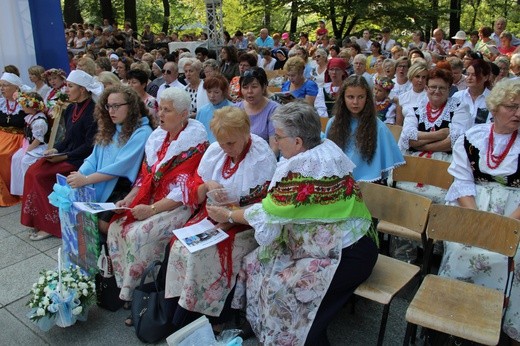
(61,197)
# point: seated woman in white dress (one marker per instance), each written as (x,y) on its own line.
(486,168)
(157,200)
(312,228)
(432,127)
(34,142)
(239,160)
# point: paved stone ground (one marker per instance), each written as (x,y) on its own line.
(22,259)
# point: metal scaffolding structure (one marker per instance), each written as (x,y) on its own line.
(215,26)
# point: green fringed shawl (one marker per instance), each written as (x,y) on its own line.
(330,198)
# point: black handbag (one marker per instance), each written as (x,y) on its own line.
(107,292)
(152,313)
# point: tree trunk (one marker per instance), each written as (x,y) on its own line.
(267,13)
(435,18)
(166,20)
(131,13)
(294,17)
(455,11)
(106,10)
(71,12)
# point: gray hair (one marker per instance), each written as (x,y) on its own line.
(194,63)
(508,89)
(299,119)
(179,97)
(361,58)
(212,63)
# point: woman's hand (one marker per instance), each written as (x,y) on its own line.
(142,211)
(219,214)
(56,159)
(212,185)
(76,179)
(121,204)
(50,151)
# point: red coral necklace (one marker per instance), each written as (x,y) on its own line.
(77,114)
(9,109)
(227,170)
(493,161)
(433,115)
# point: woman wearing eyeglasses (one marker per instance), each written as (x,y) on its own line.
(297,85)
(486,175)
(123,128)
(318,74)
(431,128)
(81,128)
(158,197)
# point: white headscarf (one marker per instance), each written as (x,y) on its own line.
(14,80)
(82,78)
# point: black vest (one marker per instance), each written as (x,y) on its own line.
(473,154)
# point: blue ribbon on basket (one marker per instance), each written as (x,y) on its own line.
(63,306)
(61,197)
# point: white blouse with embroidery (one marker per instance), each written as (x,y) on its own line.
(460,168)
(459,123)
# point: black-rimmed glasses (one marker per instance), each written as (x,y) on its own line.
(114,106)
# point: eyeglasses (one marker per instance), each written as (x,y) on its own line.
(251,73)
(401,66)
(167,71)
(318,56)
(249,47)
(278,137)
(511,108)
(114,106)
(437,88)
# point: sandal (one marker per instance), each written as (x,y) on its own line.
(39,236)
(129,322)
(127,305)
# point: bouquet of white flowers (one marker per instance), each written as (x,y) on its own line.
(61,297)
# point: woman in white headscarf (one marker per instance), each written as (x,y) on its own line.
(12,124)
(81,128)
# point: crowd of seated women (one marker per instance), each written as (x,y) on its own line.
(300,243)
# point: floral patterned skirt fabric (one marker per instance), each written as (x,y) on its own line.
(197,278)
(482,267)
(136,245)
(283,294)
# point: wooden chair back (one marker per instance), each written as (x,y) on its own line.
(396,206)
(423,170)
(54,129)
(396,131)
(274,74)
(274,89)
(324,122)
(478,228)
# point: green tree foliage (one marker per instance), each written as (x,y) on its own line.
(344,17)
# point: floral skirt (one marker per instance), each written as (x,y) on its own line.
(483,267)
(197,278)
(282,294)
(136,245)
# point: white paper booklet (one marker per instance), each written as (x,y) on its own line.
(94,208)
(200,235)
